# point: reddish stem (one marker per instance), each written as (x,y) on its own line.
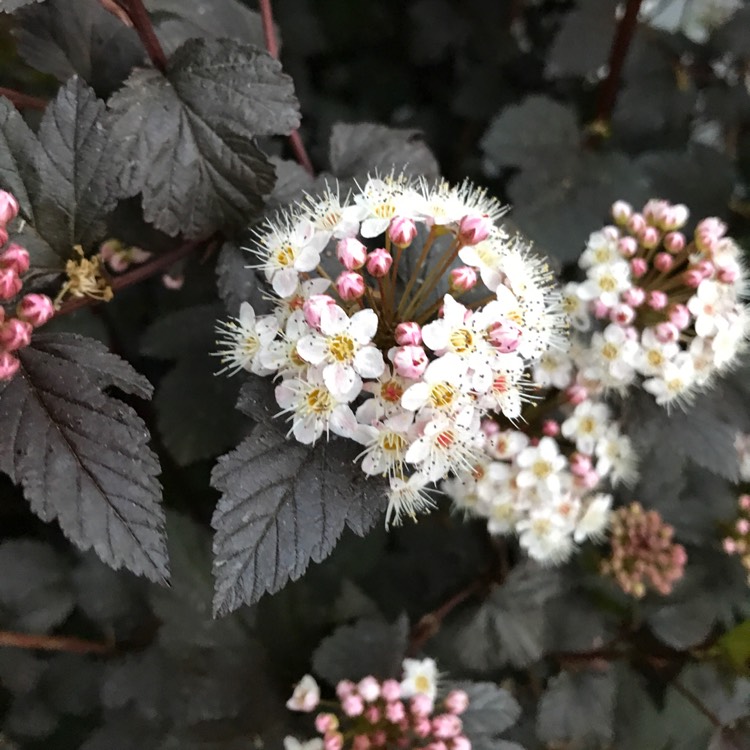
(145,29)
(54,643)
(23,101)
(272,45)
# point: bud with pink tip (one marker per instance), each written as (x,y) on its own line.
(600,309)
(474,228)
(635,296)
(408,333)
(463,279)
(8,207)
(379,737)
(589,480)
(654,209)
(351,253)
(580,464)
(16,257)
(638,267)
(745,502)
(409,361)
(369,688)
(361,742)
(173,283)
(663,262)
(395,711)
(423,727)
(326,722)
(446,726)
(457,701)
(706,268)
(504,335)
(667,332)
(674,217)
(621,212)
(333,741)
(8,365)
(650,237)
(674,242)
(576,394)
(550,428)
(421,705)
(391,690)
(692,278)
(627,246)
(379,262)
(10,283)
(728,271)
(3,236)
(621,314)
(350,285)
(36,309)
(15,334)
(353,705)
(313,308)
(636,224)
(461,743)
(372,714)
(729,545)
(657,300)
(402,231)
(344,688)
(679,316)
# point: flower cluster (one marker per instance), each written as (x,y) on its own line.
(545,481)
(668,307)
(368,344)
(737,541)
(644,554)
(386,714)
(32,311)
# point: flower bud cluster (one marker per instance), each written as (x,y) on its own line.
(32,311)
(371,349)
(644,555)
(666,308)
(388,713)
(737,541)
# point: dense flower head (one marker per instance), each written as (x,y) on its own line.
(737,541)
(387,714)
(402,315)
(644,555)
(662,309)
(31,310)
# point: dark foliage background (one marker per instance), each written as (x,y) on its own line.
(118,430)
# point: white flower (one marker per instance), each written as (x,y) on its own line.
(586,425)
(545,536)
(606,283)
(505,393)
(653,354)
(386,392)
(292,743)
(306,695)
(245,340)
(441,387)
(507,444)
(387,443)
(540,466)
(695,18)
(420,677)
(381,201)
(707,305)
(575,307)
(676,382)
(407,497)
(553,369)
(343,348)
(601,249)
(614,356)
(281,354)
(595,520)
(615,455)
(330,218)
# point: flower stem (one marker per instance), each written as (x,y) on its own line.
(415,272)
(145,30)
(54,643)
(23,101)
(434,277)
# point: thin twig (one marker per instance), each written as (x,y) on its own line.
(695,701)
(113,7)
(140,273)
(145,29)
(610,85)
(54,643)
(23,101)
(272,45)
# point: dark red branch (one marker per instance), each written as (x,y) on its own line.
(140,273)
(145,29)
(54,643)
(23,101)
(620,46)
(696,703)
(272,45)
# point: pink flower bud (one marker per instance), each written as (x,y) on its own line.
(394,711)
(650,237)
(580,464)
(706,268)
(674,217)
(369,689)
(692,278)
(679,316)
(15,334)
(457,701)
(391,690)
(379,737)
(636,224)
(8,365)
(576,394)
(3,236)
(663,262)
(353,705)
(351,253)
(350,285)
(326,723)
(8,207)
(446,726)
(621,314)
(10,283)
(667,332)
(727,272)
(410,361)
(36,309)
(333,741)
(730,546)
(15,257)
(421,705)
(654,209)
(745,502)
(600,309)
(408,333)
(313,307)
(504,335)
(657,300)
(173,283)
(402,231)
(489,427)
(627,247)
(423,727)
(743,526)
(463,279)
(361,742)
(621,212)
(635,296)
(379,262)
(461,743)
(550,428)
(674,242)
(589,480)
(638,267)
(474,228)
(372,714)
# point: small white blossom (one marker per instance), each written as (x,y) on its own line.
(420,677)
(306,695)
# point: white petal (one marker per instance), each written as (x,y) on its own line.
(342,421)
(307,259)
(418,451)
(307,430)
(368,362)
(435,335)
(285,282)
(333,320)
(247,315)
(415,396)
(340,380)
(363,326)
(312,348)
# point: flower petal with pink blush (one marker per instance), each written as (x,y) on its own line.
(312,348)
(343,422)
(341,380)
(333,320)
(285,282)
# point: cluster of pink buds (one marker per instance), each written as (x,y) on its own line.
(737,541)
(665,306)
(389,714)
(32,311)
(644,554)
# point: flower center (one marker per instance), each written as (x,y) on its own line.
(391,392)
(251,344)
(655,358)
(461,340)
(385,210)
(516,316)
(445,439)
(393,442)
(500,384)
(422,684)
(587,425)
(607,284)
(330,219)
(442,394)
(609,351)
(285,256)
(541,469)
(319,401)
(341,347)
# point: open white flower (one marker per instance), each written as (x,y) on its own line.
(586,425)
(245,340)
(593,523)
(420,677)
(306,695)
(540,466)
